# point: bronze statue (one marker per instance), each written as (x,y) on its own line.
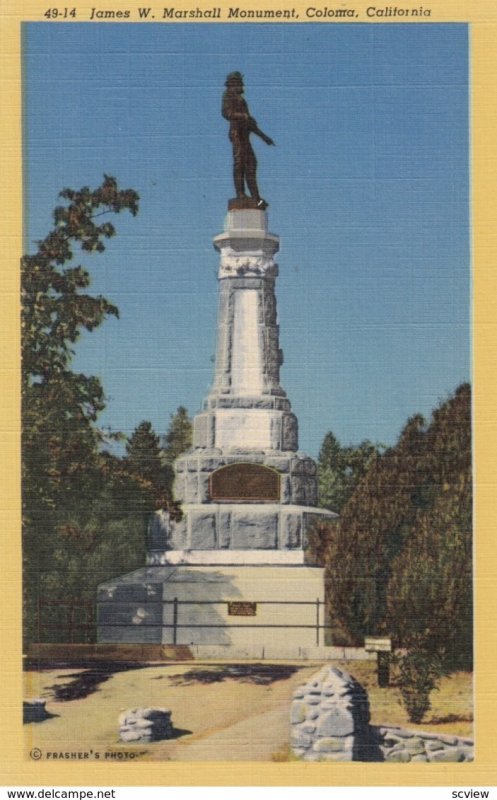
(236,111)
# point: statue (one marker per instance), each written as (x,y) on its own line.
(236,111)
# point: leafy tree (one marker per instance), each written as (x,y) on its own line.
(54,308)
(178,438)
(60,440)
(341,468)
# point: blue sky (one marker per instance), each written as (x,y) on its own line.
(368,189)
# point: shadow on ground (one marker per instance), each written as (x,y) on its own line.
(88,680)
(260,674)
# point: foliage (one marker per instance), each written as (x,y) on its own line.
(60,407)
(178,438)
(144,468)
(430,587)
(420,671)
(63,501)
(371,530)
(341,468)
(54,307)
(399,561)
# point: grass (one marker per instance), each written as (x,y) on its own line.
(451,706)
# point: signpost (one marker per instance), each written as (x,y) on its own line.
(382,646)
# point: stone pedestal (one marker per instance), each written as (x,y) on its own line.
(241,606)
(247,494)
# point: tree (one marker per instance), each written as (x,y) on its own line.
(420,671)
(151,479)
(60,407)
(178,438)
(341,468)
(54,308)
(371,530)
(399,561)
(143,454)
(60,439)
(430,590)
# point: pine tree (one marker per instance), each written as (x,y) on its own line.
(149,480)
(178,438)
(430,590)
(399,559)
(341,468)
(371,530)
(143,452)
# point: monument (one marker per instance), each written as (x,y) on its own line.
(234,569)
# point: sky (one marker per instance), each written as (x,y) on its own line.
(368,187)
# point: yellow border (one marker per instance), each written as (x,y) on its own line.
(482,14)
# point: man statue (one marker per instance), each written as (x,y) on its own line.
(235,110)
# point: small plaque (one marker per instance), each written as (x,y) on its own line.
(238,483)
(242,608)
(378,644)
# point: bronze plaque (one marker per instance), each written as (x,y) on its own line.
(241,608)
(239,483)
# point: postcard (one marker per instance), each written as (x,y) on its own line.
(250,395)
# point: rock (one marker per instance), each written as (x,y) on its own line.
(145,725)
(452,740)
(420,758)
(133,736)
(335,672)
(452,755)
(434,745)
(391,741)
(415,746)
(335,722)
(399,756)
(297,712)
(312,699)
(403,733)
(309,727)
(300,739)
(345,755)
(331,744)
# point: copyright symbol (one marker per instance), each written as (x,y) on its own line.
(35,754)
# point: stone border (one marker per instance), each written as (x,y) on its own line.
(330,722)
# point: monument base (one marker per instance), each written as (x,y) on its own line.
(244,607)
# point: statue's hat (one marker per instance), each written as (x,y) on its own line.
(234,77)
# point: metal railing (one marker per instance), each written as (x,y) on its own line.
(176,625)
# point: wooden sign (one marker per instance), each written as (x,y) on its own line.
(378,644)
(242,608)
(245,482)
